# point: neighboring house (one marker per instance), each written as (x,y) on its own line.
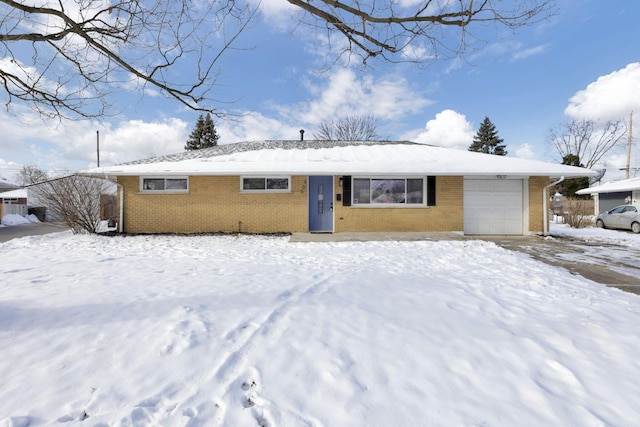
(14,202)
(334,186)
(7,186)
(608,196)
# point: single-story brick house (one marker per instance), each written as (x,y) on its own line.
(334,186)
(611,194)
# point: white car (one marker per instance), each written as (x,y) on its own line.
(624,217)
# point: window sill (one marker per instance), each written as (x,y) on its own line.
(164,192)
(383,206)
(265,192)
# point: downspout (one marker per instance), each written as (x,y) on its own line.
(121,208)
(545,212)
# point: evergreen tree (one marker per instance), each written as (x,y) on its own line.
(487,140)
(568,187)
(204,135)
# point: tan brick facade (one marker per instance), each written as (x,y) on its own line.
(216,204)
(447,215)
(536,218)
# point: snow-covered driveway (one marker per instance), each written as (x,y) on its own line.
(605,256)
(242,331)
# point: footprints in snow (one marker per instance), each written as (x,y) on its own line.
(210,413)
(186,330)
(251,399)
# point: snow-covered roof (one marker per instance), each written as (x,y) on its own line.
(8,184)
(20,194)
(613,187)
(336,158)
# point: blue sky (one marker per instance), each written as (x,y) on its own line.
(583,62)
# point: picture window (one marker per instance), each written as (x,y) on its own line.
(388,191)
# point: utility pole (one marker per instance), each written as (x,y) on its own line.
(629,147)
(98,148)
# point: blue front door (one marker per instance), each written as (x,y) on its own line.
(321,204)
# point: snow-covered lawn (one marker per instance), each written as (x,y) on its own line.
(257,331)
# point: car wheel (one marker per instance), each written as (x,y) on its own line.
(635,227)
(600,223)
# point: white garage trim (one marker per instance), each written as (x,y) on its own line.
(496,206)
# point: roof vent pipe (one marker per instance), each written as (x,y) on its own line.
(301,134)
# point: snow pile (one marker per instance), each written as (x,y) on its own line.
(256,331)
(14,219)
(32,218)
(618,237)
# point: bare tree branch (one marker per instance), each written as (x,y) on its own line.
(82,51)
(589,140)
(66,58)
(387,29)
(351,128)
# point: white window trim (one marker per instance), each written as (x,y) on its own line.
(172,191)
(373,205)
(266,190)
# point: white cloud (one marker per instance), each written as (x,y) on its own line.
(135,139)
(616,164)
(52,145)
(72,144)
(610,97)
(388,97)
(448,129)
(522,151)
(509,49)
(30,76)
(8,170)
(532,51)
(253,126)
(278,13)
(417,52)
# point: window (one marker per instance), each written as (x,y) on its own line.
(168,185)
(265,184)
(388,191)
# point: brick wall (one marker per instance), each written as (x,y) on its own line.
(536,218)
(447,215)
(215,204)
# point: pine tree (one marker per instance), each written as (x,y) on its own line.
(204,135)
(568,187)
(487,140)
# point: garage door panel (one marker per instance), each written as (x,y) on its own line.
(493,207)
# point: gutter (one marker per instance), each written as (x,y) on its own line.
(545,212)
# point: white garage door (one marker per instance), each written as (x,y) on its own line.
(493,206)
